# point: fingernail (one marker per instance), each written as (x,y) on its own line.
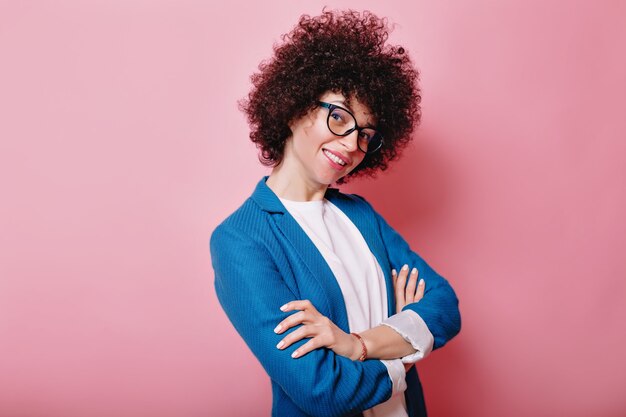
(393,272)
(414,271)
(278,328)
(421,281)
(283,308)
(295,354)
(405,267)
(280,344)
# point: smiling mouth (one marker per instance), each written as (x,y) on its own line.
(334,158)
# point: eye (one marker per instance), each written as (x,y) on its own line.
(365,136)
(337,115)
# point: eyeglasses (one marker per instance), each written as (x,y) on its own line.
(341,123)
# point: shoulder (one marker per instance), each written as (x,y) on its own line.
(246,223)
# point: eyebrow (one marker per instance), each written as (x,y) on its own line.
(343,103)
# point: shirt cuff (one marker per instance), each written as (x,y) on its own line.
(415,331)
(397,374)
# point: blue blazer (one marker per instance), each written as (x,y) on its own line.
(263,259)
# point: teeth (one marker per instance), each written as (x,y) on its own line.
(334,158)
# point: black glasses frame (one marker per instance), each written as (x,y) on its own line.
(356,127)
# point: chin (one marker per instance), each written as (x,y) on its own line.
(327,181)
(329,178)
(336,179)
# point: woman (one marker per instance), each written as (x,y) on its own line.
(306,274)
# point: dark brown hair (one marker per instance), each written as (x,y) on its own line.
(344,52)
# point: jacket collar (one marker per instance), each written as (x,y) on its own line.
(269,201)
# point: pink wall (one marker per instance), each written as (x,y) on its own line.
(122,148)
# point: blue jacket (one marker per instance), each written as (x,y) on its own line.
(263,259)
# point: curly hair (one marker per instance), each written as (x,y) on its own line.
(344,52)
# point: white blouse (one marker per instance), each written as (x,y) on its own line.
(363,287)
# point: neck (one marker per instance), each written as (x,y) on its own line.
(294,187)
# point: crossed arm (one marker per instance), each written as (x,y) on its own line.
(321,381)
(382,342)
(439,309)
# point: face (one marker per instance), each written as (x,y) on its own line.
(318,156)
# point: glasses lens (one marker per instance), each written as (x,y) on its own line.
(340,121)
(369,140)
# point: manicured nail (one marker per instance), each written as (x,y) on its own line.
(280,344)
(414,271)
(393,272)
(295,354)
(405,267)
(283,308)
(278,328)
(421,281)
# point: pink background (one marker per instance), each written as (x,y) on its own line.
(122,148)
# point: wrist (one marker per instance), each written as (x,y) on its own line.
(360,350)
(356,347)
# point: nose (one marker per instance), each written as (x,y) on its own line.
(349,142)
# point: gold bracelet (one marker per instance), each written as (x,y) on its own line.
(363,347)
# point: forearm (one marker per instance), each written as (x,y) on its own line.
(382,342)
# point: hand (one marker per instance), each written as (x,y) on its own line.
(410,294)
(319,328)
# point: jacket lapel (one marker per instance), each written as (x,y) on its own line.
(307,251)
(313,259)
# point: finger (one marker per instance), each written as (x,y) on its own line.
(296,335)
(306,348)
(401,282)
(399,288)
(411,286)
(419,294)
(298,305)
(291,321)
(394,277)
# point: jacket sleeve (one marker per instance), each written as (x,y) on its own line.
(251,291)
(440,307)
